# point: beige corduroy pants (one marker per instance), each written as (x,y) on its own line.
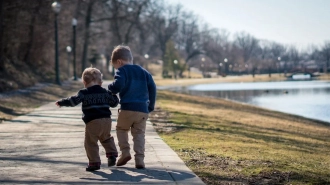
(136,122)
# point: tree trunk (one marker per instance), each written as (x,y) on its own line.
(253,71)
(1,36)
(326,66)
(31,33)
(86,36)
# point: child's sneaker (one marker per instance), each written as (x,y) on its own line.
(123,160)
(112,161)
(92,168)
(139,164)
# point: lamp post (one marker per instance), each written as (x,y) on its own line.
(68,51)
(226,66)
(175,62)
(203,67)
(56,6)
(279,65)
(74,25)
(220,66)
(146,56)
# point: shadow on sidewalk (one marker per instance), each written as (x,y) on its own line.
(139,175)
(33,159)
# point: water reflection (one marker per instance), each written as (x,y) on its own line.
(310,99)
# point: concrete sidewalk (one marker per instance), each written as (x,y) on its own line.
(47,147)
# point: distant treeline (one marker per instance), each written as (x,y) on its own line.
(155,30)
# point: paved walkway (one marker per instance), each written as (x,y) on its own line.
(46,147)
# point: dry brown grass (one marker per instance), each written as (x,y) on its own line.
(244,78)
(22,103)
(225,141)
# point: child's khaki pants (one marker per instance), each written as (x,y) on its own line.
(99,129)
(136,121)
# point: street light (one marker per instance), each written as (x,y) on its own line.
(68,51)
(175,62)
(56,6)
(279,65)
(74,25)
(146,56)
(220,66)
(226,66)
(203,68)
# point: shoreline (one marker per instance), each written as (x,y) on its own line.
(296,116)
(232,79)
(180,87)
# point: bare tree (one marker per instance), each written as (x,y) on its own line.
(123,15)
(1,35)
(188,39)
(145,39)
(249,45)
(88,20)
(313,56)
(265,55)
(217,47)
(277,50)
(31,33)
(326,55)
(165,24)
(295,57)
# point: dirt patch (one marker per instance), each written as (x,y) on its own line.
(161,122)
(199,159)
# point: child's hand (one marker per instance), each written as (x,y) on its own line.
(57,104)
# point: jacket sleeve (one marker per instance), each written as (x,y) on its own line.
(118,83)
(152,94)
(72,101)
(113,99)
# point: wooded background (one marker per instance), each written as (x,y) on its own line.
(156,31)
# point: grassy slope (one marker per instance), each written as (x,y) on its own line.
(223,141)
(20,104)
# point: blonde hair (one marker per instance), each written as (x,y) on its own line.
(92,74)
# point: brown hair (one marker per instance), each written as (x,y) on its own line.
(92,74)
(121,52)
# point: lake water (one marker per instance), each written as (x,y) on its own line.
(310,99)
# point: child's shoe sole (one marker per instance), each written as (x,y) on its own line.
(140,166)
(92,168)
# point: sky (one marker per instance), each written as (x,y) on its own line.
(290,22)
